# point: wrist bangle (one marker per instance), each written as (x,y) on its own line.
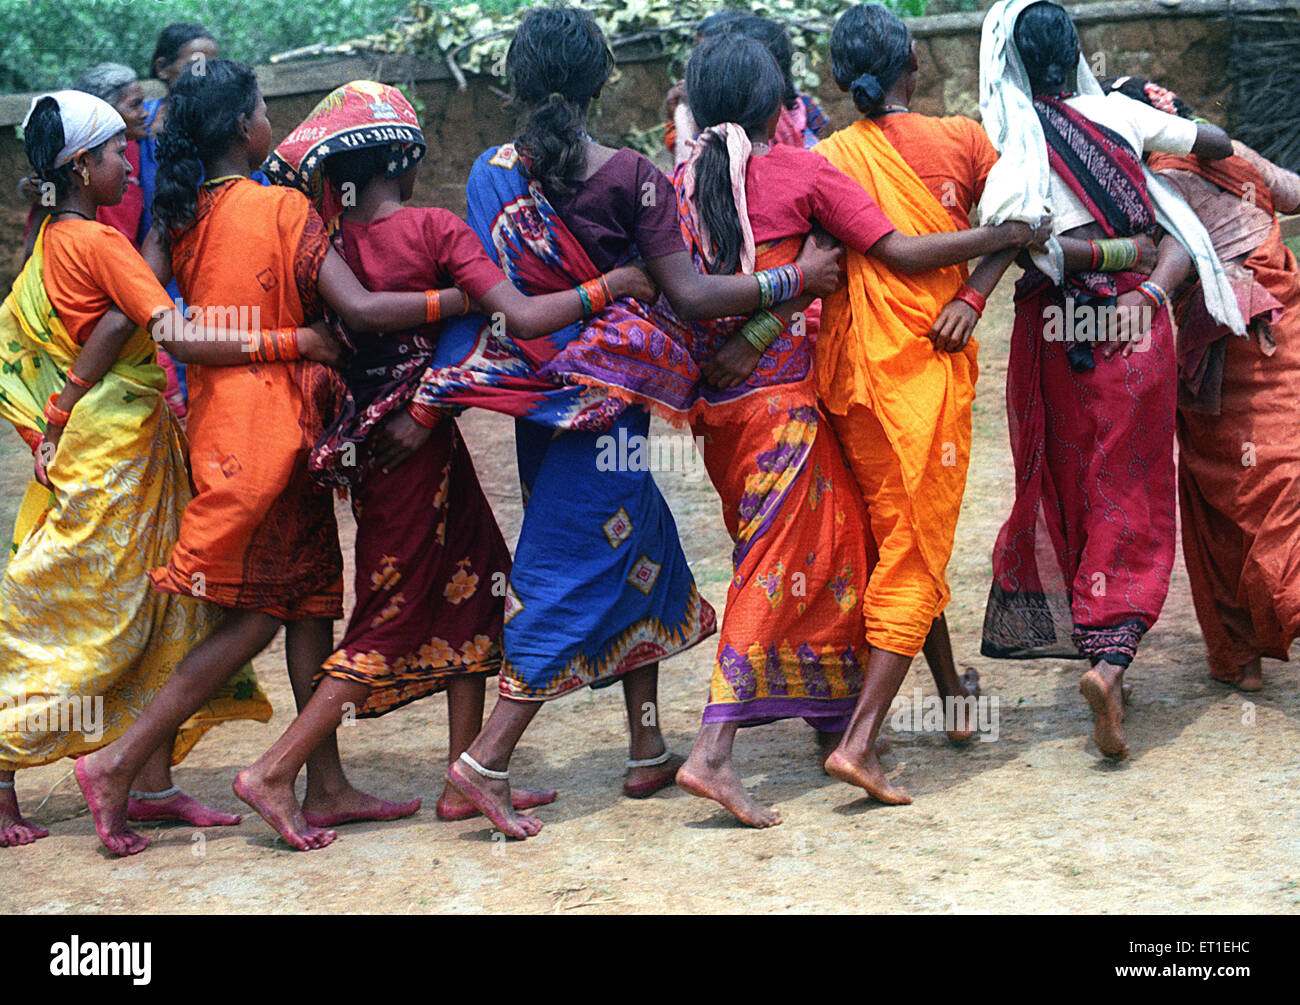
(762,330)
(1096,256)
(54,415)
(423,414)
(286,344)
(594,295)
(1154,293)
(432,307)
(85,385)
(464,303)
(969,295)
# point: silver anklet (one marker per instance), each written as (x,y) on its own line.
(500,776)
(651,762)
(6,785)
(175,790)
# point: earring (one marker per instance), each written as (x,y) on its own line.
(85,176)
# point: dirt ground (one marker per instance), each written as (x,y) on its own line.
(1205,815)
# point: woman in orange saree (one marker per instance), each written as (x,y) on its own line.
(1238,475)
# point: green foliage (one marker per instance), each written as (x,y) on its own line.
(47,43)
(476,35)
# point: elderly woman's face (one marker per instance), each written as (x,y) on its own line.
(130,105)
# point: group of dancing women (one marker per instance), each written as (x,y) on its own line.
(800,300)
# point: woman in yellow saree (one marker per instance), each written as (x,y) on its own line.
(85,641)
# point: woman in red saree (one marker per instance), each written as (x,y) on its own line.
(1082,564)
(1238,474)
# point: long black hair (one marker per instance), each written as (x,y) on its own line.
(173,39)
(1048,46)
(730,78)
(203,113)
(870,49)
(43,138)
(557,61)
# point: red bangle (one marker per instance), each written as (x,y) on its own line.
(85,385)
(286,344)
(54,415)
(968,294)
(432,307)
(423,414)
(1096,256)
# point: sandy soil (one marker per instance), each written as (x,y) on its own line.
(1205,816)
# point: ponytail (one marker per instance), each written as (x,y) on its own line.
(717,205)
(558,61)
(554,142)
(203,112)
(730,78)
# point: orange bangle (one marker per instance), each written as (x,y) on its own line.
(286,344)
(432,306)
(54,415)
(85,385)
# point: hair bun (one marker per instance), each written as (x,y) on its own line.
(866,91)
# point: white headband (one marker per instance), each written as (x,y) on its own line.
(87,121)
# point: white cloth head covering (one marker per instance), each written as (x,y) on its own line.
(87,121)
(1017,186)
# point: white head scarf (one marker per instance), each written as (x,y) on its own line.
(87,121)
(1017,186)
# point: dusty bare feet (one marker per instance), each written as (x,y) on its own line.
(867,775)
(970,682)
(491,796)
(453,806)
(351,806)
(277,805)
(179,807)
(1102,687)
(106,797)
(1252,676)
(641,783)
(14,830)
(720,783)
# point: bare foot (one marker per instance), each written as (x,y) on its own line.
(351,806)
(107,798)
(642,783)
(491,796)
(867,775)
(277,805)
(179,807)
(453,806)
(721,784)
(970,682)
(1104,693)
(14,830)
(1252,676)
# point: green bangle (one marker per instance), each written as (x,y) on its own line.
(762,330)
(766,290)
